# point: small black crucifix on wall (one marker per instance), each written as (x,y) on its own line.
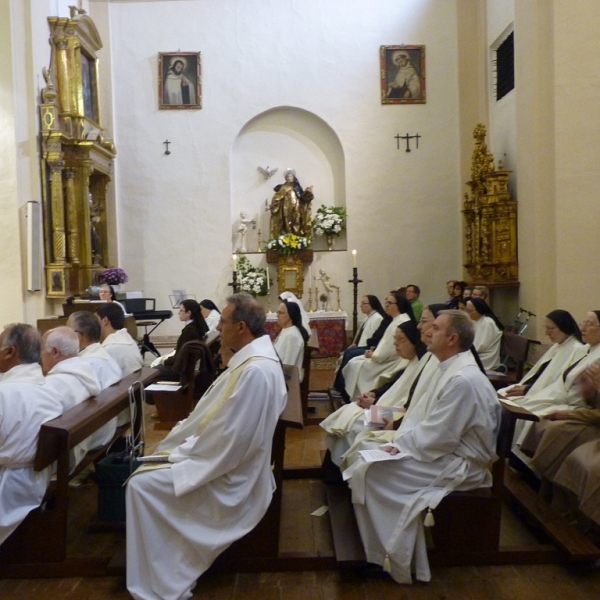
(406,137)
(167,151)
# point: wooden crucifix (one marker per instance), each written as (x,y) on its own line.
(406,137)
(167,151)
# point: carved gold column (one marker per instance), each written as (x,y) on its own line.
(58,212)
(72,229)
(62,72)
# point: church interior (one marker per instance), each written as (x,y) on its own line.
(103,165)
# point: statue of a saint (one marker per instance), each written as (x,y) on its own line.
(329,287)
(290,207)
(243,229)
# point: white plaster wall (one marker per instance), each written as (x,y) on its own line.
(577,131)
(176,211)
(502,135)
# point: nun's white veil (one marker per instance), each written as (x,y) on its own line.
(292,298)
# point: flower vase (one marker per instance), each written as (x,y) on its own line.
(330,240)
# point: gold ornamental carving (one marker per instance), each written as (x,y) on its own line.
(77,159)
(490,238)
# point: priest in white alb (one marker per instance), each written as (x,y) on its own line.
(217,483)
(25,405)
(446,445)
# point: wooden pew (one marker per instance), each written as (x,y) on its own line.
(37,548)
(467,524)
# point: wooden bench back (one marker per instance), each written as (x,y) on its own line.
(80,421)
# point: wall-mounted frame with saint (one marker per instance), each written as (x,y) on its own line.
(402,74)
(179,80)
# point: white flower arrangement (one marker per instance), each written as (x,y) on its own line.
(288,243)
(329,220)
(252,280)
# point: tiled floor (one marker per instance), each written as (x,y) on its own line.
(304,533)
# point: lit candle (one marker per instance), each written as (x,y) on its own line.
(354,258)
(235,262)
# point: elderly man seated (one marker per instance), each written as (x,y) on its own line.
(87,327)
(445,443)
(116,341)
(25,404)
(73,379)
(69,376)
(218,484)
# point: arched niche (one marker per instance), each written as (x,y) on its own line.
(285,137)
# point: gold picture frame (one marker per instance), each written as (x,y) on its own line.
(179,80)
(402,74)
(290,274)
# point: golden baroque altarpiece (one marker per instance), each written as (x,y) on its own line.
(77,162)
(490,221)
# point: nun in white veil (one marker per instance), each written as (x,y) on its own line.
(292,298)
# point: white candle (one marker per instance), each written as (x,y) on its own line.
(310,278)
(354,258)
(235,262)
(268,280)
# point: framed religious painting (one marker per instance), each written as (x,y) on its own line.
(179,80)
(402,73)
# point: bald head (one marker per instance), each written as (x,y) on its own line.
(57,345)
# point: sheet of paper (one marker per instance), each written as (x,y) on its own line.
(378,455)
(320,511)
(156,387)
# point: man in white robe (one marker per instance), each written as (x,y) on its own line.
(446,445)
(87,327)
(25,404)
(218,482)
(73,379)
(116,341)
(69,376)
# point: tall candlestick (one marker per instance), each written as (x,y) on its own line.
(354,258)
(268,280)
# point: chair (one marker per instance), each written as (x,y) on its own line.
(173,406)
(514,351)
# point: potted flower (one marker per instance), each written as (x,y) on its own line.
(252,280)
(329,221)
(113,276)
(288,243)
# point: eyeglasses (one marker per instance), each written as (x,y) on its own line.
(226,321)
(390,302)
(426,320)
(586,324)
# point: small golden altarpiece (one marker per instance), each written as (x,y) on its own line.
(77,162)
(490,221)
